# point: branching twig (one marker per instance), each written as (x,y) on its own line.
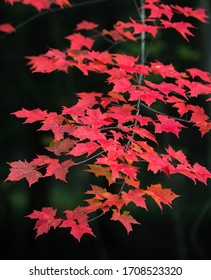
(50,11)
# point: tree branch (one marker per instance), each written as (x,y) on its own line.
(50,11)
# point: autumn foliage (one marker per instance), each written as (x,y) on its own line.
(117,132)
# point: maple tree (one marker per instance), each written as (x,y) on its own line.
(112,133)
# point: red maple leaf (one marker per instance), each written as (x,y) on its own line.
(87,132)
(114,34)
(41,4)
(122,29)
(166,88)
(59,170)
(85,100)
(31,115)
(100,170)
(197,88)
(197,172)
(7,28)
(145,94)
(179,155)
(199,14)
(78,41)
(156,162)
(194,72)
(95,118)
(201,173)
(135,196)
(140,28)
(86,25)
(122,114)
(23,169)
(161,195)
(144,133)
(126,219)
(164,70)
(53,122)
(181,27)
(168,125)
(121,85)
(83,148)
(61,146)
(157,11)
(46,220)
(41,64)
(77,220)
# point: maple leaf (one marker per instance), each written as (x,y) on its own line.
(158,11)
(78,221)
(122,27)
(166,88)
(41,4)
(164,70)
(23,169)
(132,182)
(155,162)
(201,173)
(86,25)
(7,28)
(96,202)
(31,115)
(114,34)
(78,41)
(87,132)
(204,127)
(41,64)
(199,14)
(83,148)
(135,196)
(53,122)
(46,220)
(196,172)
(179,155)
(181,27)
(100,193)
(145,94)
(61,146)
(121,85)
(62,3)
(194,72)
(95,118)
(140,28)
(126,219)
(58,58)
(123,114)
(117,167)
(59,170)
(85,100)
(168,125)
(199,88)
(160,195)
(144,133)
(100,170)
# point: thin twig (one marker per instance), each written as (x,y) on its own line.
(50,11)
(161,113)
(89,158)
(141,14)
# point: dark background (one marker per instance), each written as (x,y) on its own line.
(181,233)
